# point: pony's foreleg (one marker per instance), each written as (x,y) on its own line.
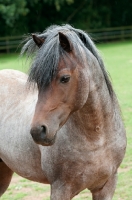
(5,177)
(60,191)
(107,192)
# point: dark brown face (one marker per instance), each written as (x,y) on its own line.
(64,95)
(54,106)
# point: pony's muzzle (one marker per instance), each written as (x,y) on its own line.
(39,135)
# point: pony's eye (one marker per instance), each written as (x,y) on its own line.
(65,79)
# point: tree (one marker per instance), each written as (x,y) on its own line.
(16,13)
(58,3)
(11,10)
(24,16)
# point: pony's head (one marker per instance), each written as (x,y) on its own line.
(60,70)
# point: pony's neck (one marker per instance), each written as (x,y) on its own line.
(95,116)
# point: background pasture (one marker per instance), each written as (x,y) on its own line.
(118,60)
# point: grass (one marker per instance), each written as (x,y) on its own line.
(13,61)
(118,60)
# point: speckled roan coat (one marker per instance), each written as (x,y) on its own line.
(67,133)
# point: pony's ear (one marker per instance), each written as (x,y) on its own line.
(64,42)
(39,41)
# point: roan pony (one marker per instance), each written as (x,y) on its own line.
(66,128)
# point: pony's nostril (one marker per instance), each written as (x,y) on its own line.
(43,132)
(39,131)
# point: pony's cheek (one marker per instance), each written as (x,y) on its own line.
(81,96)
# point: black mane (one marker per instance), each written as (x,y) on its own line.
(46,58)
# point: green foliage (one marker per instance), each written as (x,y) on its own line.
(58,3)
(24,16)
(11,10)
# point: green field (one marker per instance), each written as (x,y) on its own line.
(118,60)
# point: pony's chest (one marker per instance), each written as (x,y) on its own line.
(91,169)
(87,174)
